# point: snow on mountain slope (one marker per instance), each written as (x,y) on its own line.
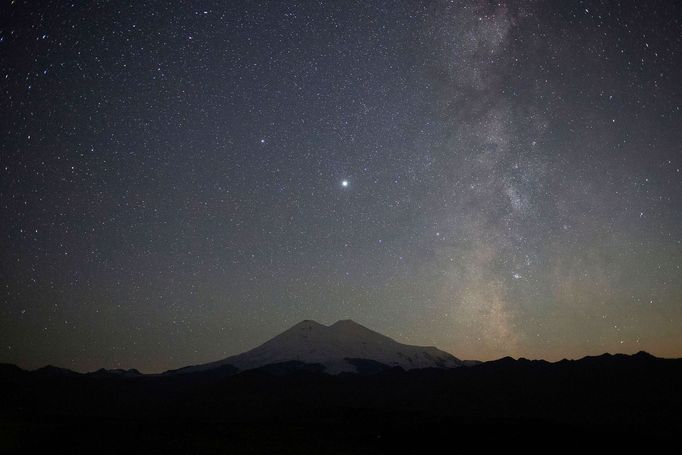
(311,342)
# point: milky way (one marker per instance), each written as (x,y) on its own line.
(180,183)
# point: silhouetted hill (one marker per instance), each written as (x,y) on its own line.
(52,371)
(298,405)
(118,372)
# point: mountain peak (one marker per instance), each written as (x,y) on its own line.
(306,324)
(341,323)
(643,355)
(347,328)
(346,323)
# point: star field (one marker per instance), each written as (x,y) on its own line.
(179,183)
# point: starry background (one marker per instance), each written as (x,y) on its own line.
(171,187)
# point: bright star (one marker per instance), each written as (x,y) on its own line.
(344,183)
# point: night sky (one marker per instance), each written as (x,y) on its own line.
(181,182)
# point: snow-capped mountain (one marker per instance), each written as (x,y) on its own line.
(332,346)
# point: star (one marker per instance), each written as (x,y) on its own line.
(461,207)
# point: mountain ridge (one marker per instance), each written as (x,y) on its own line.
(11,369)
(611,396)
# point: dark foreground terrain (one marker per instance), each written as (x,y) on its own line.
(294,408)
